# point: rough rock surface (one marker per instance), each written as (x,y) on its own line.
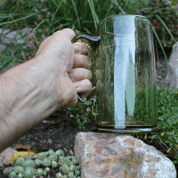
(8,37)
(5,156)
(113,155)
(172,77)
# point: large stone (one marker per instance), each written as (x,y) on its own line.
(113,155)
(172,77)
(6,155)
(8,37)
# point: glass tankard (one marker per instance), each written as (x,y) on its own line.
(125,100)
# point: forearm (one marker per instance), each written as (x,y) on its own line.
(23,101)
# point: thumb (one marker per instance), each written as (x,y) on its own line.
(69,32)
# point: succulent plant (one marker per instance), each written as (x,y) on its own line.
(74,161)
(41,164)
(59,175)
(65,168)
(9,170)
(19,161)
(29,172)
(18,169)
(65,160)
(72,168)
(20,175)
(52,157)
(59,153)
(12,175)
(28,157)
(44,173)
(71,175)
(41,155)
(46,162)
(54,164)
(77,172)
(39,172)
(51,152)
(47,169)
(28,163)
(38,162)
(77,167)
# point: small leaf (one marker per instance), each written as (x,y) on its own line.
(145,136)
(169,150)
(162,133)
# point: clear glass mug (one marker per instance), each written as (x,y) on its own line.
(125,100)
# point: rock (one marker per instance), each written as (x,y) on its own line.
(172,77)
(5,156)
(115,155)
(5,171)
(175,7)
(2,47)
(13,36)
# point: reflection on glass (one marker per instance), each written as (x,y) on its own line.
(125,75)
(125,100)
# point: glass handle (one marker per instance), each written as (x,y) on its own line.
(93,43)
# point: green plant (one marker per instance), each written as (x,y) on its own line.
(65,160)
(167,114)
(41,155)
(81,121)
(68,166)
(20,161)
(164,19)
(39,172)
(29,172)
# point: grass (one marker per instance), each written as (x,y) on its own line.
(45,17)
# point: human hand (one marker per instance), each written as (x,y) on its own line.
(66,68)
(33,90)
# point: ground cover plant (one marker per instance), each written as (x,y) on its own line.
(42,18)
(42,164)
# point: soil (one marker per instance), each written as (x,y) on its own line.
(48,136)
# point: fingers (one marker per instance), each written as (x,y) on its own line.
(82,61)
(81,48)
(81,79)
(78,74)
(81,58)
(84,87)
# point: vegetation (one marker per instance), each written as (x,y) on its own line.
(41,18)
(43,163)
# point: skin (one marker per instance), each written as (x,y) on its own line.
(32,91)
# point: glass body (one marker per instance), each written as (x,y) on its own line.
(125,76)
